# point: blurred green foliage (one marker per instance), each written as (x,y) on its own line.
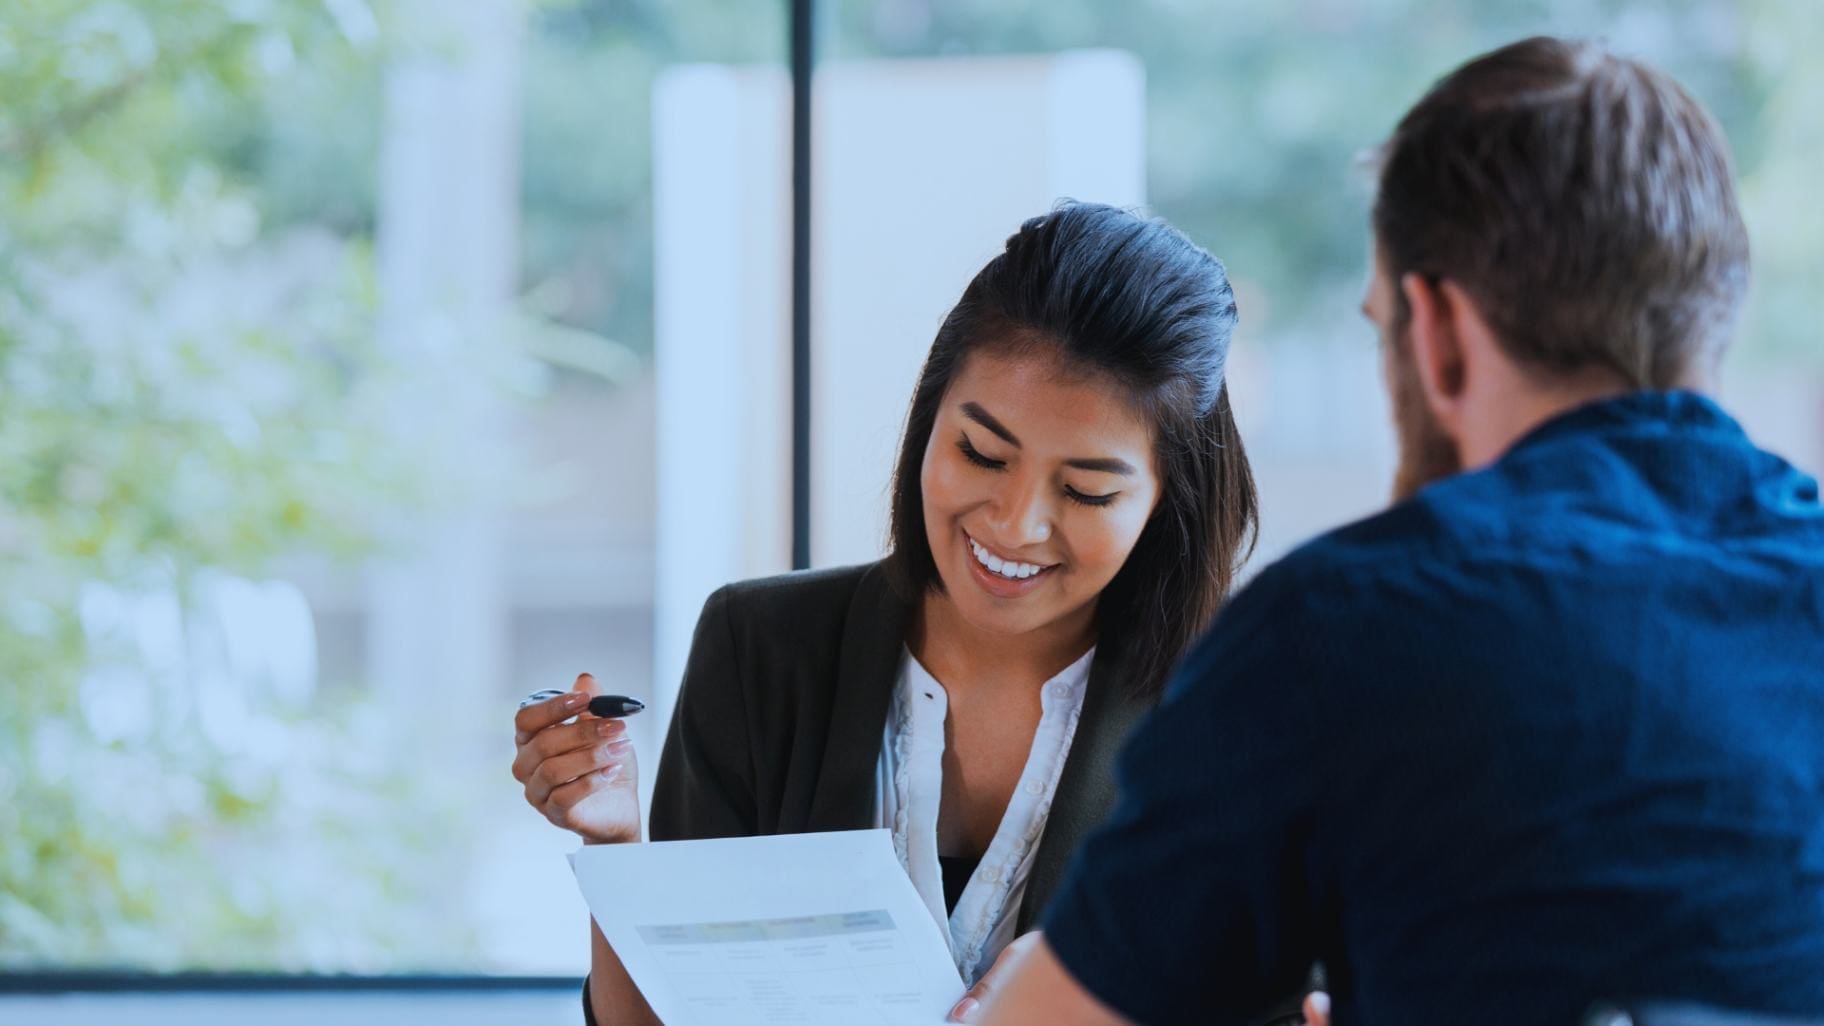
(587,159)
(189,390)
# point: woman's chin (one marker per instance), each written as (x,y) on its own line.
(1001,622)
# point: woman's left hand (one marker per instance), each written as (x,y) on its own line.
(969,1009)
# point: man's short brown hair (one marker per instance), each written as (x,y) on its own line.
(1584,200)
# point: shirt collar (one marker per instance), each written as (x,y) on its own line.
(1678,409)
(1068,686)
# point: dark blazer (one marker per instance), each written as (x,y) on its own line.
(784,703)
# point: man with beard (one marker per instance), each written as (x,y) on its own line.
(1549,731)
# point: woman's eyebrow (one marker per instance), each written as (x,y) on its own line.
(974,412)
(1106,465)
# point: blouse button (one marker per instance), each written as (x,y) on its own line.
(1034,788)
(1060,691)
(994,874)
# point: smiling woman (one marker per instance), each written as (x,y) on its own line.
(1070,504)
(1030,520)
(1102,340)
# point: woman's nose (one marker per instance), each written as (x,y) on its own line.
(1024,516)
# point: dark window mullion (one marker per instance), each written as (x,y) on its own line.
(803,58)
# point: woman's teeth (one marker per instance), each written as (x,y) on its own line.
(1003,567)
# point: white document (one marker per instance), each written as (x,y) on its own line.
(813,929)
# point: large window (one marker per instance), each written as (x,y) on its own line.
(325,434)
(334,354)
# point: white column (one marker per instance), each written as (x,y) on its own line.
(448,263)
(722,318)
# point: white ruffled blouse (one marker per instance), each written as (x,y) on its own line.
(909,787)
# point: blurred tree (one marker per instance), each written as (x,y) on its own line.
(191,390)
(188,392)
(587,158)
(1785,218)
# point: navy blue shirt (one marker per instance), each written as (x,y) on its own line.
(1550,732)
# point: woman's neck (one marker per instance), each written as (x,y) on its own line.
(957,652)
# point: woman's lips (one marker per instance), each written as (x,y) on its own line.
(996,585)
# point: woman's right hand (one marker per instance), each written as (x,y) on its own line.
(582,775)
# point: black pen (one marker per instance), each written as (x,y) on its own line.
(611,707)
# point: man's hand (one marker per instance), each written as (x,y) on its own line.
(969,1009)
(1034,989)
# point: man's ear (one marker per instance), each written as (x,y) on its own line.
(1437,345)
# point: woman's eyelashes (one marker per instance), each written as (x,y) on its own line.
(1088,500)
(974,455)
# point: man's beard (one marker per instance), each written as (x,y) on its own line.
(1427,454)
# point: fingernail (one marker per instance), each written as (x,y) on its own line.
(607,728)
(575,700)
(964,1010)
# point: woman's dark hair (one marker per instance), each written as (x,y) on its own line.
(1111,293)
